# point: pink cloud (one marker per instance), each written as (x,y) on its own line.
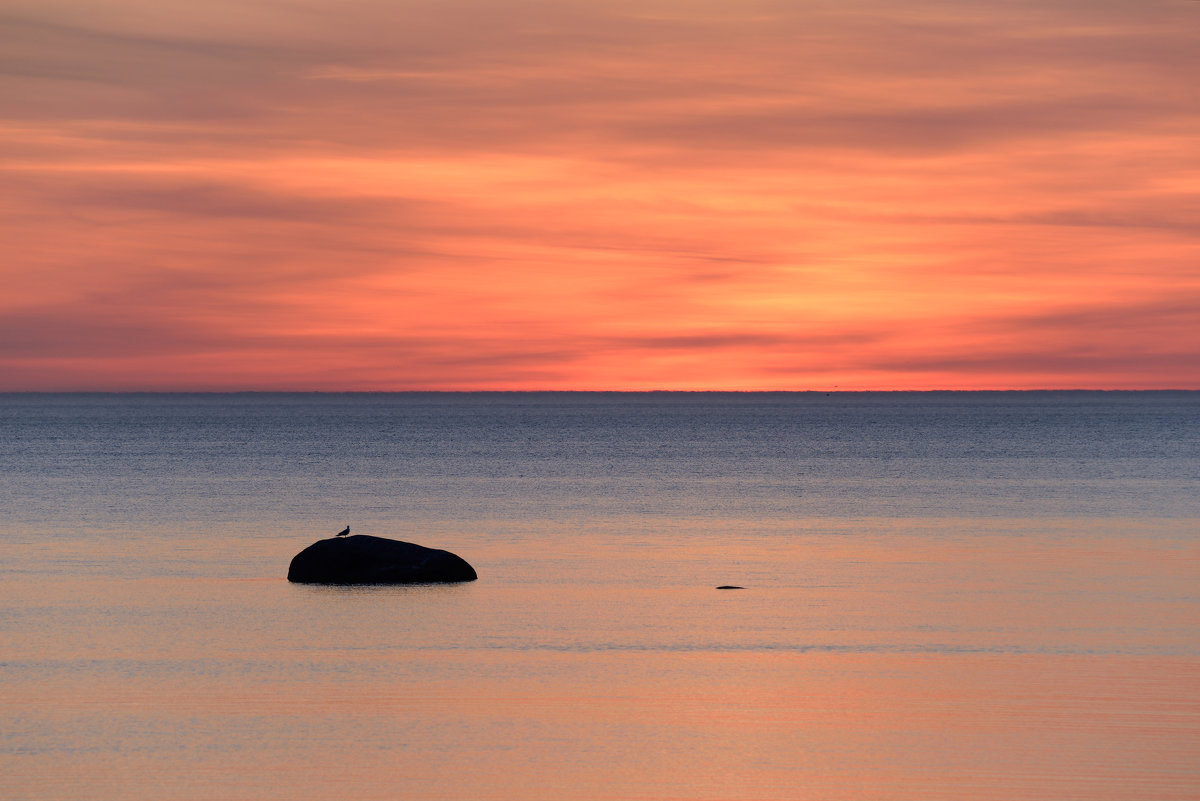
(597,195)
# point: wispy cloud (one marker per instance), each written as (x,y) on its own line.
(576,194)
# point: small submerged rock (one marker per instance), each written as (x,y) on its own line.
(730,587)
(363,559)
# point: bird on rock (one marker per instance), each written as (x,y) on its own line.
(343,532)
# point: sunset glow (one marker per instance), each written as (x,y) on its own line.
(371,195)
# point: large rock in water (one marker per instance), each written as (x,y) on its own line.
(364,559)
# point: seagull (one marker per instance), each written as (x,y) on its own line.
(343,532)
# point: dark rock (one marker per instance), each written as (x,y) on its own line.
(730,587)
(363,559)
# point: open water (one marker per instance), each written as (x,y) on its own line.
(948,596)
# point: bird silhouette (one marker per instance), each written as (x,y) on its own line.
(343,532)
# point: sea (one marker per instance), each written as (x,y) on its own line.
(945,595)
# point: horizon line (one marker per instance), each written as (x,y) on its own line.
(571,391)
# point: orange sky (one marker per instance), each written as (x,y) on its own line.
(697,194)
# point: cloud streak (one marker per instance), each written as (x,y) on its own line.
(619,195)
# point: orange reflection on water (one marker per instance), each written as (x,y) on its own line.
(745,726)
(882,660)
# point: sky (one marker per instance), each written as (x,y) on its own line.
(519,195)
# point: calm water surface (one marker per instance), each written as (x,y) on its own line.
(948,596)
